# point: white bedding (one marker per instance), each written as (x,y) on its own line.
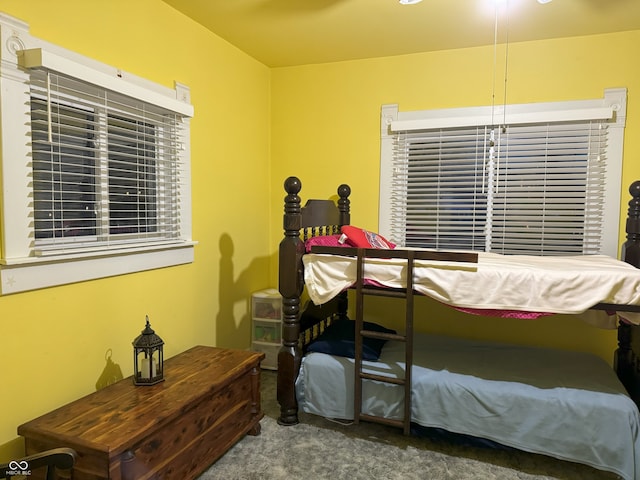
(569,284)
(566,405)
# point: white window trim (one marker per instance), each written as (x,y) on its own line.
(20,270)
(612,106)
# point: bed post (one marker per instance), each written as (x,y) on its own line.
(344,206)
(290,285)
(631,248)
(625,358)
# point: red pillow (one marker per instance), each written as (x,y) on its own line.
(359,237)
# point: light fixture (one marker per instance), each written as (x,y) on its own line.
(544,1)
(409,2)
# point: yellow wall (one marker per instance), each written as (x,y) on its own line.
(54,341)
(326,130)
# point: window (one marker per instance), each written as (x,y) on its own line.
(546,181)
(104,168)
(96,172)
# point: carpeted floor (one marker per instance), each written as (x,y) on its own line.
(318,449)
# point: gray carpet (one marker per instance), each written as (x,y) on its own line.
(319,449)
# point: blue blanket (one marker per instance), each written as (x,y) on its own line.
(567,405)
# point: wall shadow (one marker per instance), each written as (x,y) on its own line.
(111,373)
(232,332)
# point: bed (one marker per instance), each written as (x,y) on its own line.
(460,385)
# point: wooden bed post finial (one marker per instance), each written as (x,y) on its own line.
(631,248)
(292,185)
(291,224)
(344,204)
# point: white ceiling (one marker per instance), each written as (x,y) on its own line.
(298,32)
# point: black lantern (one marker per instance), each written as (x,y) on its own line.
(147,357)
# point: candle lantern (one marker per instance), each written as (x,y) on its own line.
(147,357)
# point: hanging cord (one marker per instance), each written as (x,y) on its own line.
(489,163)
(503,129)
(49,133)
(503,125)
(506,69)
(495,65)
(494,174)
(492,166)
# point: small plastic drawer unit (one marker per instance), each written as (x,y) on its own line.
(266,314)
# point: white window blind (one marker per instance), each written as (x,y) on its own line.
(439,199)
(105,167)
(530,198)
(538,188)
(548,197)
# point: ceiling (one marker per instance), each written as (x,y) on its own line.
(297,32)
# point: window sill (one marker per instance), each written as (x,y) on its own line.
(21,275)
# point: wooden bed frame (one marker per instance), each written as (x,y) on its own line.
(301,326)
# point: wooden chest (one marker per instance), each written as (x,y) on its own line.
(173,430)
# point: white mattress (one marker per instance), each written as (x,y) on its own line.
(563,404)
(569,284)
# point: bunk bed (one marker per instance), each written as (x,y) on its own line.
(568,405)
